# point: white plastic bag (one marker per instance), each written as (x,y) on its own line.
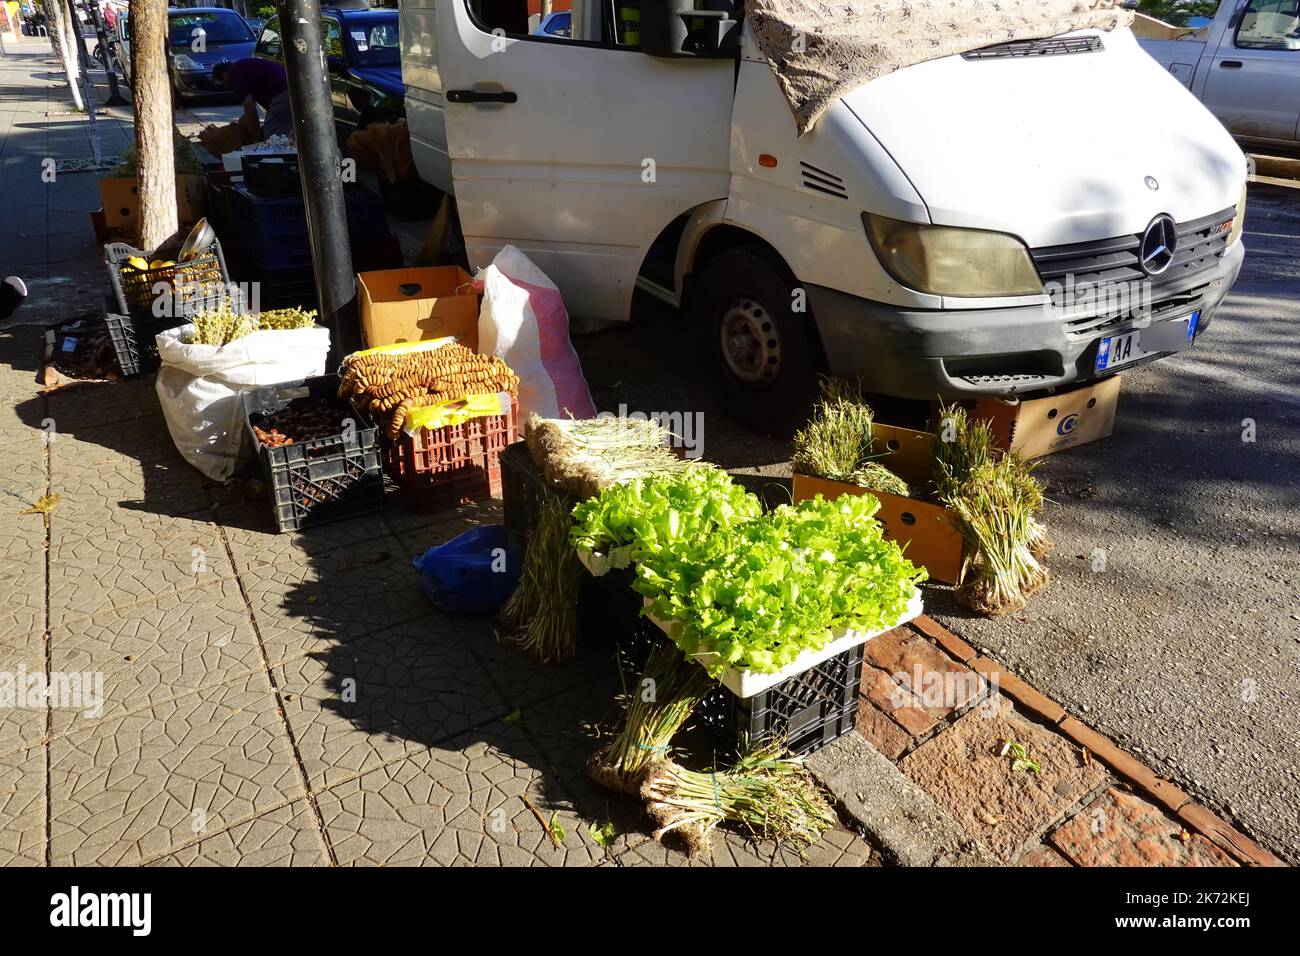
(524,321)
(199,387)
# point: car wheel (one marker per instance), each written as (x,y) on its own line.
(762,356)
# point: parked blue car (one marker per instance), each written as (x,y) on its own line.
(198,39)
(364,50)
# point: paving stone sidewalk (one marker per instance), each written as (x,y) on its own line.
(270,699)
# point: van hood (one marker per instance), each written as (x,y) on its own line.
(1054,149)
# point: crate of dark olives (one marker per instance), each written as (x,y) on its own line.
(319,463)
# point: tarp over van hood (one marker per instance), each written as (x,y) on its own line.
(821,50)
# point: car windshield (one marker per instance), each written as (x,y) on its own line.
(216,29)
(375,43)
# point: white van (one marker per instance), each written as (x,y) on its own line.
(997,222)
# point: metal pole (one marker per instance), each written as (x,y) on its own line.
(318,165)
(89,94)
(110,62)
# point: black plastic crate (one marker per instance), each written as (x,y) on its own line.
(133,339)
(321,480)
(202,282)
(806,711)
(272,175)
(523,490)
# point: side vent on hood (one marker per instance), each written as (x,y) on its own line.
(822,181)
(1056,46)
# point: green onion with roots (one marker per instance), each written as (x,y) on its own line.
(995,499)
(769,796)
(585,456)
(662,701)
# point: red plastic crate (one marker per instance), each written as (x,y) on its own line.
(442,468)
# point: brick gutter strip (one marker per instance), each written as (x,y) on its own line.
(1122,763)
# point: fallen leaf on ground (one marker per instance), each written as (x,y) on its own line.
(1020,759)
(603,834)
(43,506)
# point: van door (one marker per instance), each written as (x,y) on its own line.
(1253,83)
(579,150)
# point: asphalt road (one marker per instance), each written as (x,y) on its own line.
(1186,647)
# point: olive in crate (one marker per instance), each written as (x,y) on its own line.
(318,463)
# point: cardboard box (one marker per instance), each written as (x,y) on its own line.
(1041,426)
(925,530)
(122,202)
(412,305)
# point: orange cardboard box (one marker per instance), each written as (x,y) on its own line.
(412,305)
(122,202)
(925,530)
(1041,426)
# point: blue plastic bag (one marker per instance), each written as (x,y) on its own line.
(473,574)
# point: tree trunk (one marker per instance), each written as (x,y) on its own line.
(155,166)
(57,15)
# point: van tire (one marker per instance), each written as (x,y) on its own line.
(769,379)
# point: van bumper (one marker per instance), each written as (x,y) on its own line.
(971,352)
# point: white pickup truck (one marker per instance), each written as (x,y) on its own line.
(1244,66)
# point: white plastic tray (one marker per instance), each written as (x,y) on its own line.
(747,683)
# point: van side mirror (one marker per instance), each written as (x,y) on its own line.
(676,28)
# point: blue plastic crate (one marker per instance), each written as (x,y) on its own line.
(273,229)
(268,208)
(367,218)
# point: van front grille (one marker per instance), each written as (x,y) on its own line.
(1106,264)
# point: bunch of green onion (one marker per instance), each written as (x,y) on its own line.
(544,607)
(769,796)
(661,702)
(836,442)
(997,521)
(585,456)
(995,499)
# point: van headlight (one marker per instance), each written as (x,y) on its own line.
(1239,219)
(945,260)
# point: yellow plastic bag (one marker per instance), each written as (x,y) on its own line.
(456,411)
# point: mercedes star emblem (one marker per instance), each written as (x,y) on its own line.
(1158,244)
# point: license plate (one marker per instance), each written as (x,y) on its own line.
(1116,350)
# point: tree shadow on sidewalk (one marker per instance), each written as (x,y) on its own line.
(373,673)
